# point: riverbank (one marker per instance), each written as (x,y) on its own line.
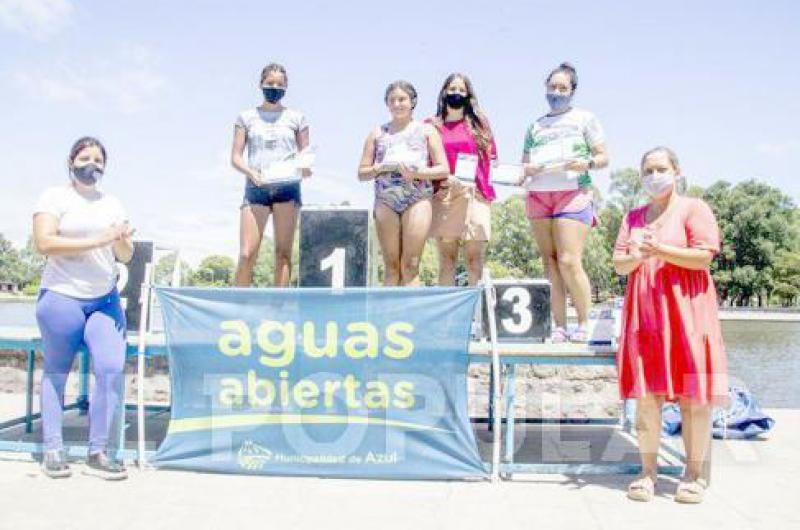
(18,297)
(759,315)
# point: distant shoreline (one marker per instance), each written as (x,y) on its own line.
(5,297)
(764,314)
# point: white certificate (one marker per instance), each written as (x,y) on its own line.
(506,174)
(281,171)
(552,158)
(401,154)
(466,167)
(306,159)
(556,181)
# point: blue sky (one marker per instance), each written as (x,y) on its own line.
(162,82)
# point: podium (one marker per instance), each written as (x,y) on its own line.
(334,247)
(522,312)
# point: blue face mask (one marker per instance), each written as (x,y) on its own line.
(558,102)
(88,174)
(273,94)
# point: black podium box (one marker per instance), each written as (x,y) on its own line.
(522,313)
(334,247)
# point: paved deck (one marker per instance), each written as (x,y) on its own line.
(754,486)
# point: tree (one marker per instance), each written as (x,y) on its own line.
(512,249)
(214,271)
(12,268)
(597,262)
(429,264)
(757,222)
(626,189)
(165,268)
(786,277)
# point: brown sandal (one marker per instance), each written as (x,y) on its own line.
(642,489)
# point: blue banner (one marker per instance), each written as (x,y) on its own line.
(323,382)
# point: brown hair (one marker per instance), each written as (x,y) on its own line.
(569,70)
(476,121)
(406,87)
(274,67)
(673,158)
(84,142)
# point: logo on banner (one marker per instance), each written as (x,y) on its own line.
(252,456)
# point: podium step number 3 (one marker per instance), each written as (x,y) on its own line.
(522,312)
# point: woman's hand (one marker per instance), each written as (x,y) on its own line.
(651,246)
(531,170)
(408,172)
(306,172)
(445,186)
(579,166)
(116,232)
(254,176)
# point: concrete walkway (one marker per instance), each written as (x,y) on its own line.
(754,486)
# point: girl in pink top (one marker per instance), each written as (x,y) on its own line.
(461,210)
(671,343)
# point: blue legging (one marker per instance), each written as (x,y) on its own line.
(65,323)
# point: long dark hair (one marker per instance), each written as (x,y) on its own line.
(476,121)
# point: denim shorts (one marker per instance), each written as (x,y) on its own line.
(271,194)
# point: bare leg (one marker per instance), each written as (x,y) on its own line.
(570,237)
(696,431)
(648,432)
(475,252)
(387,225)
(252,220)
(543,233)
(284,219)
(448,257)
(416,224)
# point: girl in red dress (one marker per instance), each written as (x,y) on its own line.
(671,343)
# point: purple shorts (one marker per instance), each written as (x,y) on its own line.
(585,216)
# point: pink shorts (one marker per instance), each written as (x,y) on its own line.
(570,204)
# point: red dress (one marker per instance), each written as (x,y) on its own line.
(671,340)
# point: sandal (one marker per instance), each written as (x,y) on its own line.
(642,489)
(559,336)
(580,335)
(690,492)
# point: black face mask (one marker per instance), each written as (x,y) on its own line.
(88,174)
(456,101)
(273,94)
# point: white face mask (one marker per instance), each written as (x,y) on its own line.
(658,184)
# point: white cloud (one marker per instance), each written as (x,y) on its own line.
(128,84)
(779,148)
(37,18)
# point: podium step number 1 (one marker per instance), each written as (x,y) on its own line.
(334,247)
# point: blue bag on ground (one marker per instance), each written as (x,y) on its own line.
(742,419)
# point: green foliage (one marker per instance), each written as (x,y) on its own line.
(759,225)
(759,261)
(165,268)
(22,267)
(626,189)
(512,250)
(214,271)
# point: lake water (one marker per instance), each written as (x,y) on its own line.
(763,356)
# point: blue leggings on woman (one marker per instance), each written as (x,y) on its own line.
(65,324)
